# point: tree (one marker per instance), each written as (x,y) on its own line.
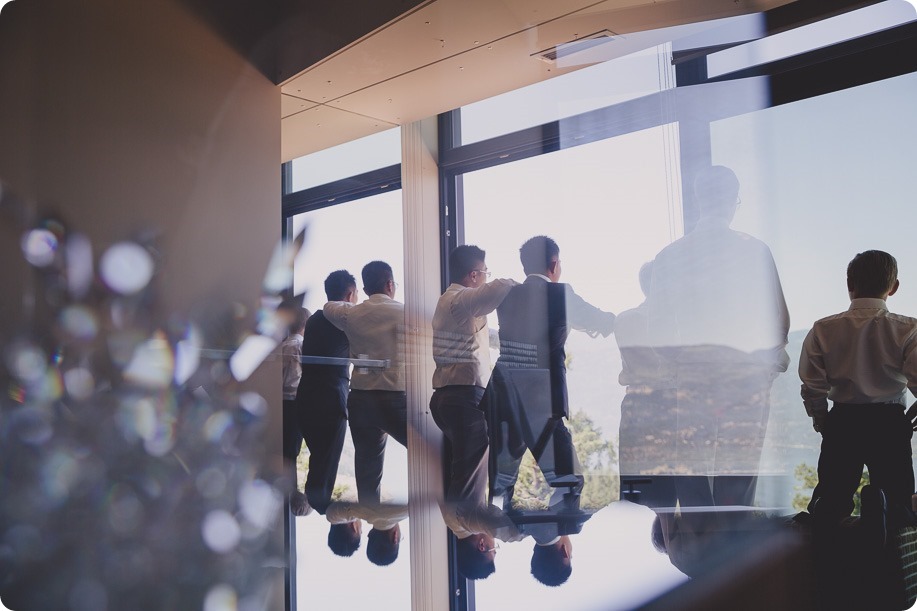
(596,455)
(807,476)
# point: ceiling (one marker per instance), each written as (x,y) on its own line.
(443,54)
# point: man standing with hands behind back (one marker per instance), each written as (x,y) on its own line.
(377,406)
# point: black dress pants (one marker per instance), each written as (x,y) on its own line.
(374,415)
(458,413)
(875,435)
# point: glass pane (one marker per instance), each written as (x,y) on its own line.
(810,37)
(347,237)
(635,75)
(610,206)
(821,180)
(364,155)
(690,415)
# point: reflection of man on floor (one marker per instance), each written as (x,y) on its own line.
(717,313)
(552,554)
(376,406)
(477,527)
(383,541)
(530,379)
(321,398)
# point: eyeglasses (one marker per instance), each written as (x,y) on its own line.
(481,271)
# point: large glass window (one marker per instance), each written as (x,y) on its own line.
(821,180)
(747,198)
(347,237)
(683,416)
(597,86)
(611,207)
(349,159)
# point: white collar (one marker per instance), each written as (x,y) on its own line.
(868,303)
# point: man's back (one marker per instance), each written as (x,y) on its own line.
(375,330)
(535,319)
(533,315)
(322,339)
(716,286)
(863,355)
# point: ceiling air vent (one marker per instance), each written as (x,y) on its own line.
(577,45)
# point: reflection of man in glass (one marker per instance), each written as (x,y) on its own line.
(647,435)
(530,379)
(376,406)
(717,314)
(321,398)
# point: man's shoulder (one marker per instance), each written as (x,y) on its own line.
(318,323)
(901,319)
(317,318)
(830,319)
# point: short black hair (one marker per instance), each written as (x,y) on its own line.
(462,260)
(376,275)
(472,563)
(549,566)
(342,540)
(338,283)
(537,253)
(872,273)
(380,550)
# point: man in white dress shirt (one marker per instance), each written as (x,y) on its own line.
(461,349)
(864,360)
(376,406)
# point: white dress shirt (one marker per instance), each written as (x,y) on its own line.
(290,351)
(375,330)
(461,339)
(863,355)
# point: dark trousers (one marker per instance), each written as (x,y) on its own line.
(458,413)
(557,460)
(318,419)
(877,436)
(374,415)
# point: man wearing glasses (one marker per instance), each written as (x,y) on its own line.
(377,406)
(461,349)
